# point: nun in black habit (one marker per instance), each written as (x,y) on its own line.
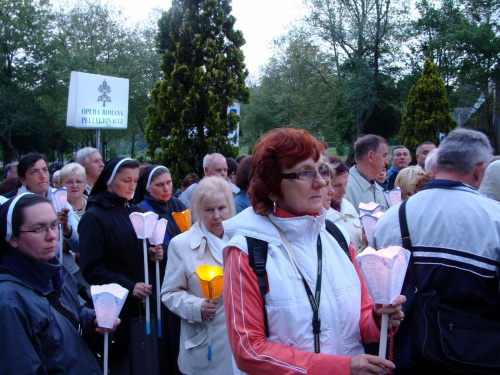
(154,193)
(112,253)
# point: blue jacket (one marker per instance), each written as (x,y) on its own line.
(35,337)
(241,201)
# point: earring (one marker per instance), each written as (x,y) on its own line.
(274,207)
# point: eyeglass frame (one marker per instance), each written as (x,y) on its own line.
(39,230)
(73,182)
(297,175)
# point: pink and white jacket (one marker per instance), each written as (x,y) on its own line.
(345,307)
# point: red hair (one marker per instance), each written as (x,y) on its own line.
(277,150)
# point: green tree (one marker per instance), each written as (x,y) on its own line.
(103,46)
(463,38)
(427,110)
(296,90)
(204,72)
(23,31)
(362,37)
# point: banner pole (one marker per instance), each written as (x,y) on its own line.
(98,139)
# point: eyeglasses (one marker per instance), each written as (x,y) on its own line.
(42,229)
(307,175)
(71,182)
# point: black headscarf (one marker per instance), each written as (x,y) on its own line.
(144,179)
(107,175)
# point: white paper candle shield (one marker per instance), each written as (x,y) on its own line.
(158,232)
(59,199)
(144,223)
(369,222)
(368,208)
(108,302)
(384,272)
(393,197)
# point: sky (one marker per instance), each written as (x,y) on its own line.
(260,21)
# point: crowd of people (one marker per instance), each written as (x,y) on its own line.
(284,226)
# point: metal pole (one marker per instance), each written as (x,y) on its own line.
(98,138)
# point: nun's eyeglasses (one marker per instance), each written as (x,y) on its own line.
(307,175)
(42,229)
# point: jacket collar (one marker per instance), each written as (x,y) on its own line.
(348,209)
(24,189)
(33,272)
(362,182)
(106,199)
(391,171)
(447,184)
(197,240)
(300,228)
(158,205)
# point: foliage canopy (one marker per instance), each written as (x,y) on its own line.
(427,111)
(204,73)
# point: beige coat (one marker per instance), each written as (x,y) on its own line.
(348,219)
(181,293)
(360,190)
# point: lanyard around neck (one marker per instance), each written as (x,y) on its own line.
(314,300)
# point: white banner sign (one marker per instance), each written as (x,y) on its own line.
(97,102)
(234,135)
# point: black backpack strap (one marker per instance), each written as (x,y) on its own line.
(406,241)
(403,224)
(337,234)
(257,257)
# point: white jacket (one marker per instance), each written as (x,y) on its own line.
(348,218)
(181,293)
(288,309)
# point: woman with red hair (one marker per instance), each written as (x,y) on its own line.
(315,312)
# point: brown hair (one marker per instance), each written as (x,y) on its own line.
(277,150)
(243,173)
(366,143)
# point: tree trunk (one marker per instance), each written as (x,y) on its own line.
(7,149)
(132,150)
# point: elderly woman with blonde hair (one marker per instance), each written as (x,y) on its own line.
(181,291)
(73,178)
(407,180)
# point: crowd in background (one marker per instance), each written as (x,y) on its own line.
(283,223)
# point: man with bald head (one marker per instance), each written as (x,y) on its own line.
(213,165)
(423,150)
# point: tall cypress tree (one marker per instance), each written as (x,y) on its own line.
(427,110)
(203,73)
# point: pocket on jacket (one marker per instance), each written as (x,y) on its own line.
(197,340)
(356,222)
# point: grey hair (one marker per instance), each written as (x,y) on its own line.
(207,160)
(431,159)
(462,150)
(82,156)
(208,187)
(490,184)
